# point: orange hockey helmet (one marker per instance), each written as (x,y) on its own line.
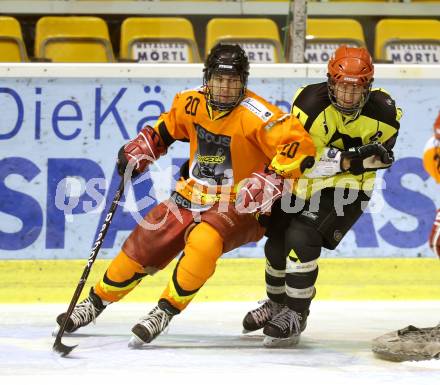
(351,70)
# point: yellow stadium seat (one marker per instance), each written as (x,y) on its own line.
(408,41)
(323,36)
(12,48)
(258,37)
(158,40)
(73,39)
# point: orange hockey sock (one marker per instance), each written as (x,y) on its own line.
(202,250)
(121,277)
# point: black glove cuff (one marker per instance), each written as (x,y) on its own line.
(356,166)
(308,162)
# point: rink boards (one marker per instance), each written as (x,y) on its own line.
(39,281)
(61,126)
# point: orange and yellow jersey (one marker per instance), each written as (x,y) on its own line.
(226,147)
(431,158)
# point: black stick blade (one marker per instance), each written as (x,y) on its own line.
(62,349)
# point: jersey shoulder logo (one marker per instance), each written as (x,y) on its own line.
(271,124)
(332,152)
(257,108)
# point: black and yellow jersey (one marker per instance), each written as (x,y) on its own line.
(378,121)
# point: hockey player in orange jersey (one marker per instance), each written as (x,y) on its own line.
(431,161)
(233,134)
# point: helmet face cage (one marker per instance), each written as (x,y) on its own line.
(340,93)
(350,78)
(225,76)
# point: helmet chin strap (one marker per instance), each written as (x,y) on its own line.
(218,106)
(352,116)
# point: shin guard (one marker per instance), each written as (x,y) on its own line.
(121,277)
(203,248)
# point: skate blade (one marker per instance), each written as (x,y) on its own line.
(135,342)
(272,342)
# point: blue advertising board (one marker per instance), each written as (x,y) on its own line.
(59,138)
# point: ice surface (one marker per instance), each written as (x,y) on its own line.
(205,345)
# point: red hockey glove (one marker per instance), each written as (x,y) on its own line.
(260,192)
(140,152)
(434,237)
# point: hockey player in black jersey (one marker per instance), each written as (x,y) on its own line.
(354,128)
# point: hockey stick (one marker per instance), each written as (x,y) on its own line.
(58,346)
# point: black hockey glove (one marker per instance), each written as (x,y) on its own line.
(369,157)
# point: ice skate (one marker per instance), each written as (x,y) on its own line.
(284,330)
(153,324)
(85,312)
(259,317)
